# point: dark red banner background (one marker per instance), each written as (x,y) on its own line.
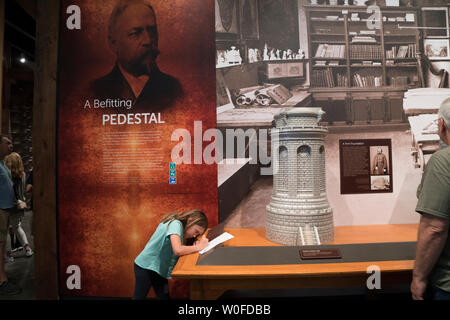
(103,227)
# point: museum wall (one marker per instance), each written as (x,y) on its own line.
(397,207)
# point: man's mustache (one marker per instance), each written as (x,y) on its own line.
(145,63)
(153,52)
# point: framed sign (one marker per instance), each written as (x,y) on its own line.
(436,49)
(366,166)
(435,20)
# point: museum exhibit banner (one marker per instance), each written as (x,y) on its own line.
(134,83)
(366,166)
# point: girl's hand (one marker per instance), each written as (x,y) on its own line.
(201,244)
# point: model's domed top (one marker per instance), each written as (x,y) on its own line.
(299,116)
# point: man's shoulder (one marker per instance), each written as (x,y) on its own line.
(107,83)
(445,152)
(441,159)
(163,87)
(168,80)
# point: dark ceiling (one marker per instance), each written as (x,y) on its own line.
(20,32)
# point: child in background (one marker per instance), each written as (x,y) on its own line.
(154,264)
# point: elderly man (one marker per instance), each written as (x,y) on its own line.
(380,163)
(432,265)
(133,37)
(7,205)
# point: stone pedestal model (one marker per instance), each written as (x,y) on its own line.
(299,201)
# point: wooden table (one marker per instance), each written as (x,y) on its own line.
(210,282)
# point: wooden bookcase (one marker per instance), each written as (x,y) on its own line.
(359,74)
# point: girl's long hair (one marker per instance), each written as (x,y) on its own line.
(188,218)
(14,162)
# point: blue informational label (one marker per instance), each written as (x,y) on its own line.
(173,173)
(173,181)
(172,165)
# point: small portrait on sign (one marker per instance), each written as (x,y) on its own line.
(379,160)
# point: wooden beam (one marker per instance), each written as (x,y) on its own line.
(29,6)
(44,150)
(2,38)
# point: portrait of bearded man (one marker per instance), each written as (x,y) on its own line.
(133,37)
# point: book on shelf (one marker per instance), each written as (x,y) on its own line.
(364,39)
(322,30)
(402,52)
(399,81)
(333,63)
(358,51)
(414,64)
(325,50)
(323,78)
(368,32)
(321,63)
(366,81)
(342,80)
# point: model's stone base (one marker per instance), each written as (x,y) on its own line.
(284,228)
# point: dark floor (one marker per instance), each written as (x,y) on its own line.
(21,270)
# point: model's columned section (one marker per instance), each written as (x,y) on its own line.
(299,200)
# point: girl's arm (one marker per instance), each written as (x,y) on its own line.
(181,250)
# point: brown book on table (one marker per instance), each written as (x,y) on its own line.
(311,254)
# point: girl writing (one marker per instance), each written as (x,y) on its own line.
(154,264)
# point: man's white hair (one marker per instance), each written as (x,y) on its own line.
(444,111)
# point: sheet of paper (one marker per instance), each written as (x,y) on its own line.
(220,239)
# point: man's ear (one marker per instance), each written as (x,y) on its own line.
(443,130)
(441,125)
